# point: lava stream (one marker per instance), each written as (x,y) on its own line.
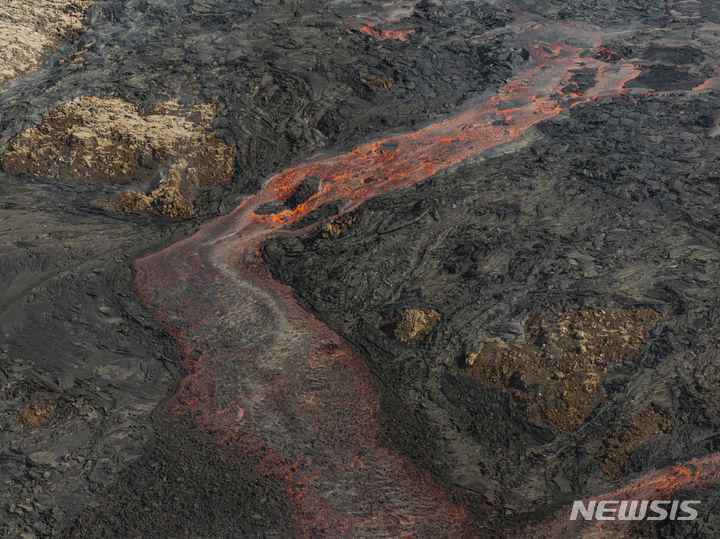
(666,484)
(270,379)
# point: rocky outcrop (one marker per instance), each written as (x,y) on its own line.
(166,199)
(558,369)
(413,325)
(110,141)
(31,31)
(39,410)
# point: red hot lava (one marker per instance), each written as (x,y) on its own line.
(400,35)
(271,380)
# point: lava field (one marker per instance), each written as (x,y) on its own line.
(302,268)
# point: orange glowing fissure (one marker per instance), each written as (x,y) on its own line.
(266,378)
(400,35)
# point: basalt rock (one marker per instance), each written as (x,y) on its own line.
(604,217)
(38,411)
(307,188)
(558,368)
(108,140)
(166,199)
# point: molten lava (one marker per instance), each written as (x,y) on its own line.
(400,35)
(268,378)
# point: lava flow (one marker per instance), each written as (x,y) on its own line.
(269,379)
(671,483)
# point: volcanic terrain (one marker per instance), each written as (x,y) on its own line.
(377,269)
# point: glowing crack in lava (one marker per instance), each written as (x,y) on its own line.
(400,35)
(269,379)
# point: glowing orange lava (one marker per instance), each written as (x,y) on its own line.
(400,35)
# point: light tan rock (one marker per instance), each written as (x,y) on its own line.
(31,30)
(108,140)
(414,325)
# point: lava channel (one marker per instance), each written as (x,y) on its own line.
(268,379)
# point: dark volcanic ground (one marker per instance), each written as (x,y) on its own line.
(607,212)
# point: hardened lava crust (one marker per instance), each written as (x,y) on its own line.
(311,268)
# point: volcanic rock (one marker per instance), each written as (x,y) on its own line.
(166,199)
(608,220)
(413,325)
(38,411)
(558,368)
(29,33)
(144,85)
(108,140)
(610,209)
(642,427)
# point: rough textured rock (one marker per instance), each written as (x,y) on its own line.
(153,82)
(640,429)
(333,229)
(166,199)
(108,140)
(613,203)
(413,325)
(284,86)
(29,32)
(172,492)
(82,366)
(557,369)
(39,410)
(590,219)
